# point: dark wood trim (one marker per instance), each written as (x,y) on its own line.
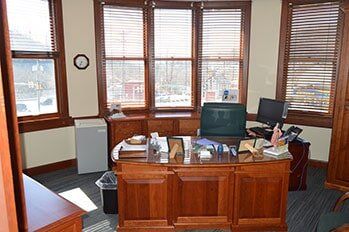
(212,4)
(309,1)
(61,118)
(245,6)
(251,117)
(296,117)
(317,163)
(337,177)
(8,221)
(308,119)
(149,58)
(61,81)
(11,118)
(246,51)
(282,49)
(50,167)
(44,124)
(305,120)
(35,55)
(99,37)
(50,123)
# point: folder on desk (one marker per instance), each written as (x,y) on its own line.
(132,151)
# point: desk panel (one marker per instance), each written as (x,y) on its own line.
(168,197)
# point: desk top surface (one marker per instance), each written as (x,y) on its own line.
(45,209)
(192,159)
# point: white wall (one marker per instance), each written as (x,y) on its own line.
(264,49)
(49,146)
(55,145)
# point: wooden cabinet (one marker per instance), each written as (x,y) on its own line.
(258,196)
(165,127)
(169,197)
(338,172)
(143,197)
(167,124)
(188,126)
(300,152)
(125,129)
(201,195)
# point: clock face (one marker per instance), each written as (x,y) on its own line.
(81,61)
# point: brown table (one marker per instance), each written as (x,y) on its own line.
(241,193)
(48,211)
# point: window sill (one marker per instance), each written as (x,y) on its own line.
(44,124)
(302,119)
(156,115)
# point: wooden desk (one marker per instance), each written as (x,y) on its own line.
(47,211)
(241,194)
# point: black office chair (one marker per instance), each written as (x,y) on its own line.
(223,119)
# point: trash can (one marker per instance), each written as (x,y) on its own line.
(109,195)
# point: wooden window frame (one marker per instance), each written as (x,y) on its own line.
(61,118)
(297,117)
(244,5)
(174,5)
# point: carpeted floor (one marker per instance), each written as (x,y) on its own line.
(303,210)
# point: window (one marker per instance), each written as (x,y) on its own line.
(173,42)
(165,55)
(308,70)
(38,62)
(124,55)
(221,53)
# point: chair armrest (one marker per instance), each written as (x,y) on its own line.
(340,202)
(343,228)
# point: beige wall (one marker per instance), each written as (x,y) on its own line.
(59,144)
(264,46)
(49,146)
(79,37)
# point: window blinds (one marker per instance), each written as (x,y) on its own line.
(311,56)
(221,60)
(31,25)
(173,33)
(173,57)
(124,55)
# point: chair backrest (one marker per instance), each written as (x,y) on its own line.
(223,119)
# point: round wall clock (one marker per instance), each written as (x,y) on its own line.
(81,61)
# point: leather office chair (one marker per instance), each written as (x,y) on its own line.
(223,119)
(335,220)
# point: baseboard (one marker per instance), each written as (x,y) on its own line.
(317,163)
(50,167)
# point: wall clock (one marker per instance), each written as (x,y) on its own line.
(81,61)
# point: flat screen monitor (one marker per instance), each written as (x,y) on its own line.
(271,112)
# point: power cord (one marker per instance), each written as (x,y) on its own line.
(300,161)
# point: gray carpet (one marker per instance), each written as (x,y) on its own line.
(303,210)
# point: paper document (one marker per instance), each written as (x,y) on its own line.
(128,147)
(205,142)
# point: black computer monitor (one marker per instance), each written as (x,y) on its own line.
(272,111)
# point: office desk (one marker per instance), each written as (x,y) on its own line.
(47,211)
(242,194)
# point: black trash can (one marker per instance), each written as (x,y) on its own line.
(109,194)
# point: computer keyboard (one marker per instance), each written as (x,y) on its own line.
(258,130)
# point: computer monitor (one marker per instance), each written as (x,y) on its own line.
(271,112)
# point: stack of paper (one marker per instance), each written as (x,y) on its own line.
(204,154)
(276,151)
